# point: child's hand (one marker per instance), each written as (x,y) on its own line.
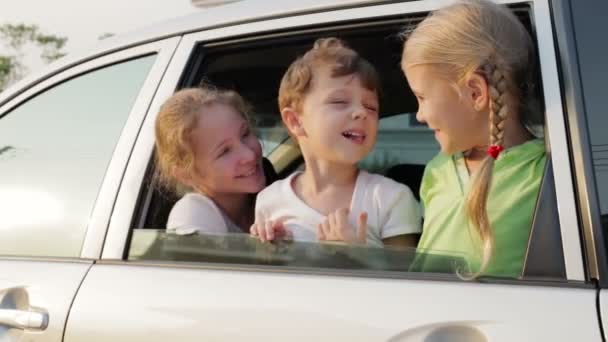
(336,228)
(269,230)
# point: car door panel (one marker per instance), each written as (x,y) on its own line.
(190,304)
(36,293)
(46,287)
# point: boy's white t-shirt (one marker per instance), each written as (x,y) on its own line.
(391,208)
(198,213)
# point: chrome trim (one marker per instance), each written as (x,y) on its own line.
(45,259)
(556,133)
(104,204)
(363,273)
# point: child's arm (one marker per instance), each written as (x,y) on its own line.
(402,226)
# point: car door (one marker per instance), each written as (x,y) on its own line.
(64,142)
(156,286)
(584,71)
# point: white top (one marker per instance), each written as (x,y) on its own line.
(198,213)
(391,208)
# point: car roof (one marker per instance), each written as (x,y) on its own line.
(227,15)
(237,13)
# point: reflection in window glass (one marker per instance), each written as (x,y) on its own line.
(158,245)
(54,151)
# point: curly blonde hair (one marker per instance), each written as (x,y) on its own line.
(177,118)
(479,36)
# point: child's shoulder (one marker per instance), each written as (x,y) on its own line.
(440,160)
(192,200)
(383,185)
(437,168)
(275,190)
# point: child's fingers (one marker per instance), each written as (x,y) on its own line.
(325,226)
(331,218)
(320,232)
(262,231)
(253,230)
(269,232)
(362,228)
(278,229)
(342,222)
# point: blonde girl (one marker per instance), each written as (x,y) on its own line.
(471,67)
(206,150)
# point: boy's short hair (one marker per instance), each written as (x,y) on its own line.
(328,52)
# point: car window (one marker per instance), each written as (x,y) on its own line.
(157,244)
(254,68)
(54,150)
(593,71)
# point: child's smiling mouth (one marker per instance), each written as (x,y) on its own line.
(251,172)
(355,135)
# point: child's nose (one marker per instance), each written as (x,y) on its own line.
(420,117)
(247,154)
(360,112)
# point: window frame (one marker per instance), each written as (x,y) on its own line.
(595,244)
(100,215)
(116,244)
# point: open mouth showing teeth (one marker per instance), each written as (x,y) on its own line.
(357,137)
(250,173)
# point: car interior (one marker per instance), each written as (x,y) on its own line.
(253,66)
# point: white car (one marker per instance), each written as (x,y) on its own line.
(83,251)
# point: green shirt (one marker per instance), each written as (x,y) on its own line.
(516,179)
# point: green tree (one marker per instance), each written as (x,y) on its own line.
(14,38)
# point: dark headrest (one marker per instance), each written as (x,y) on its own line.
(408,174)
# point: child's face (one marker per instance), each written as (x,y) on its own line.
(339,117)
(228,156)
(447,109)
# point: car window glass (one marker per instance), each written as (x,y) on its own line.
(54,150)
(592,66)
(158,244)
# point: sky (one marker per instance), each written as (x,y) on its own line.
(83,21)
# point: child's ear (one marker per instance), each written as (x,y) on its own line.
(478,92)
(291,119)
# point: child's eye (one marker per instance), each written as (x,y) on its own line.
(246,133)
(338,101)
(372,108)
(224,152)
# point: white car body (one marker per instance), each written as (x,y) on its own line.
(102,295)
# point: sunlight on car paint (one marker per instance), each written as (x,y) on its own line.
(28,206)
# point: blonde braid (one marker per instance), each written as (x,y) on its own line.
(477,199)
(497,85)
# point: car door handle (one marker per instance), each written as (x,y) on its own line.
(21,319)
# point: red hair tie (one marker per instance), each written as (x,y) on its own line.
(494,150)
